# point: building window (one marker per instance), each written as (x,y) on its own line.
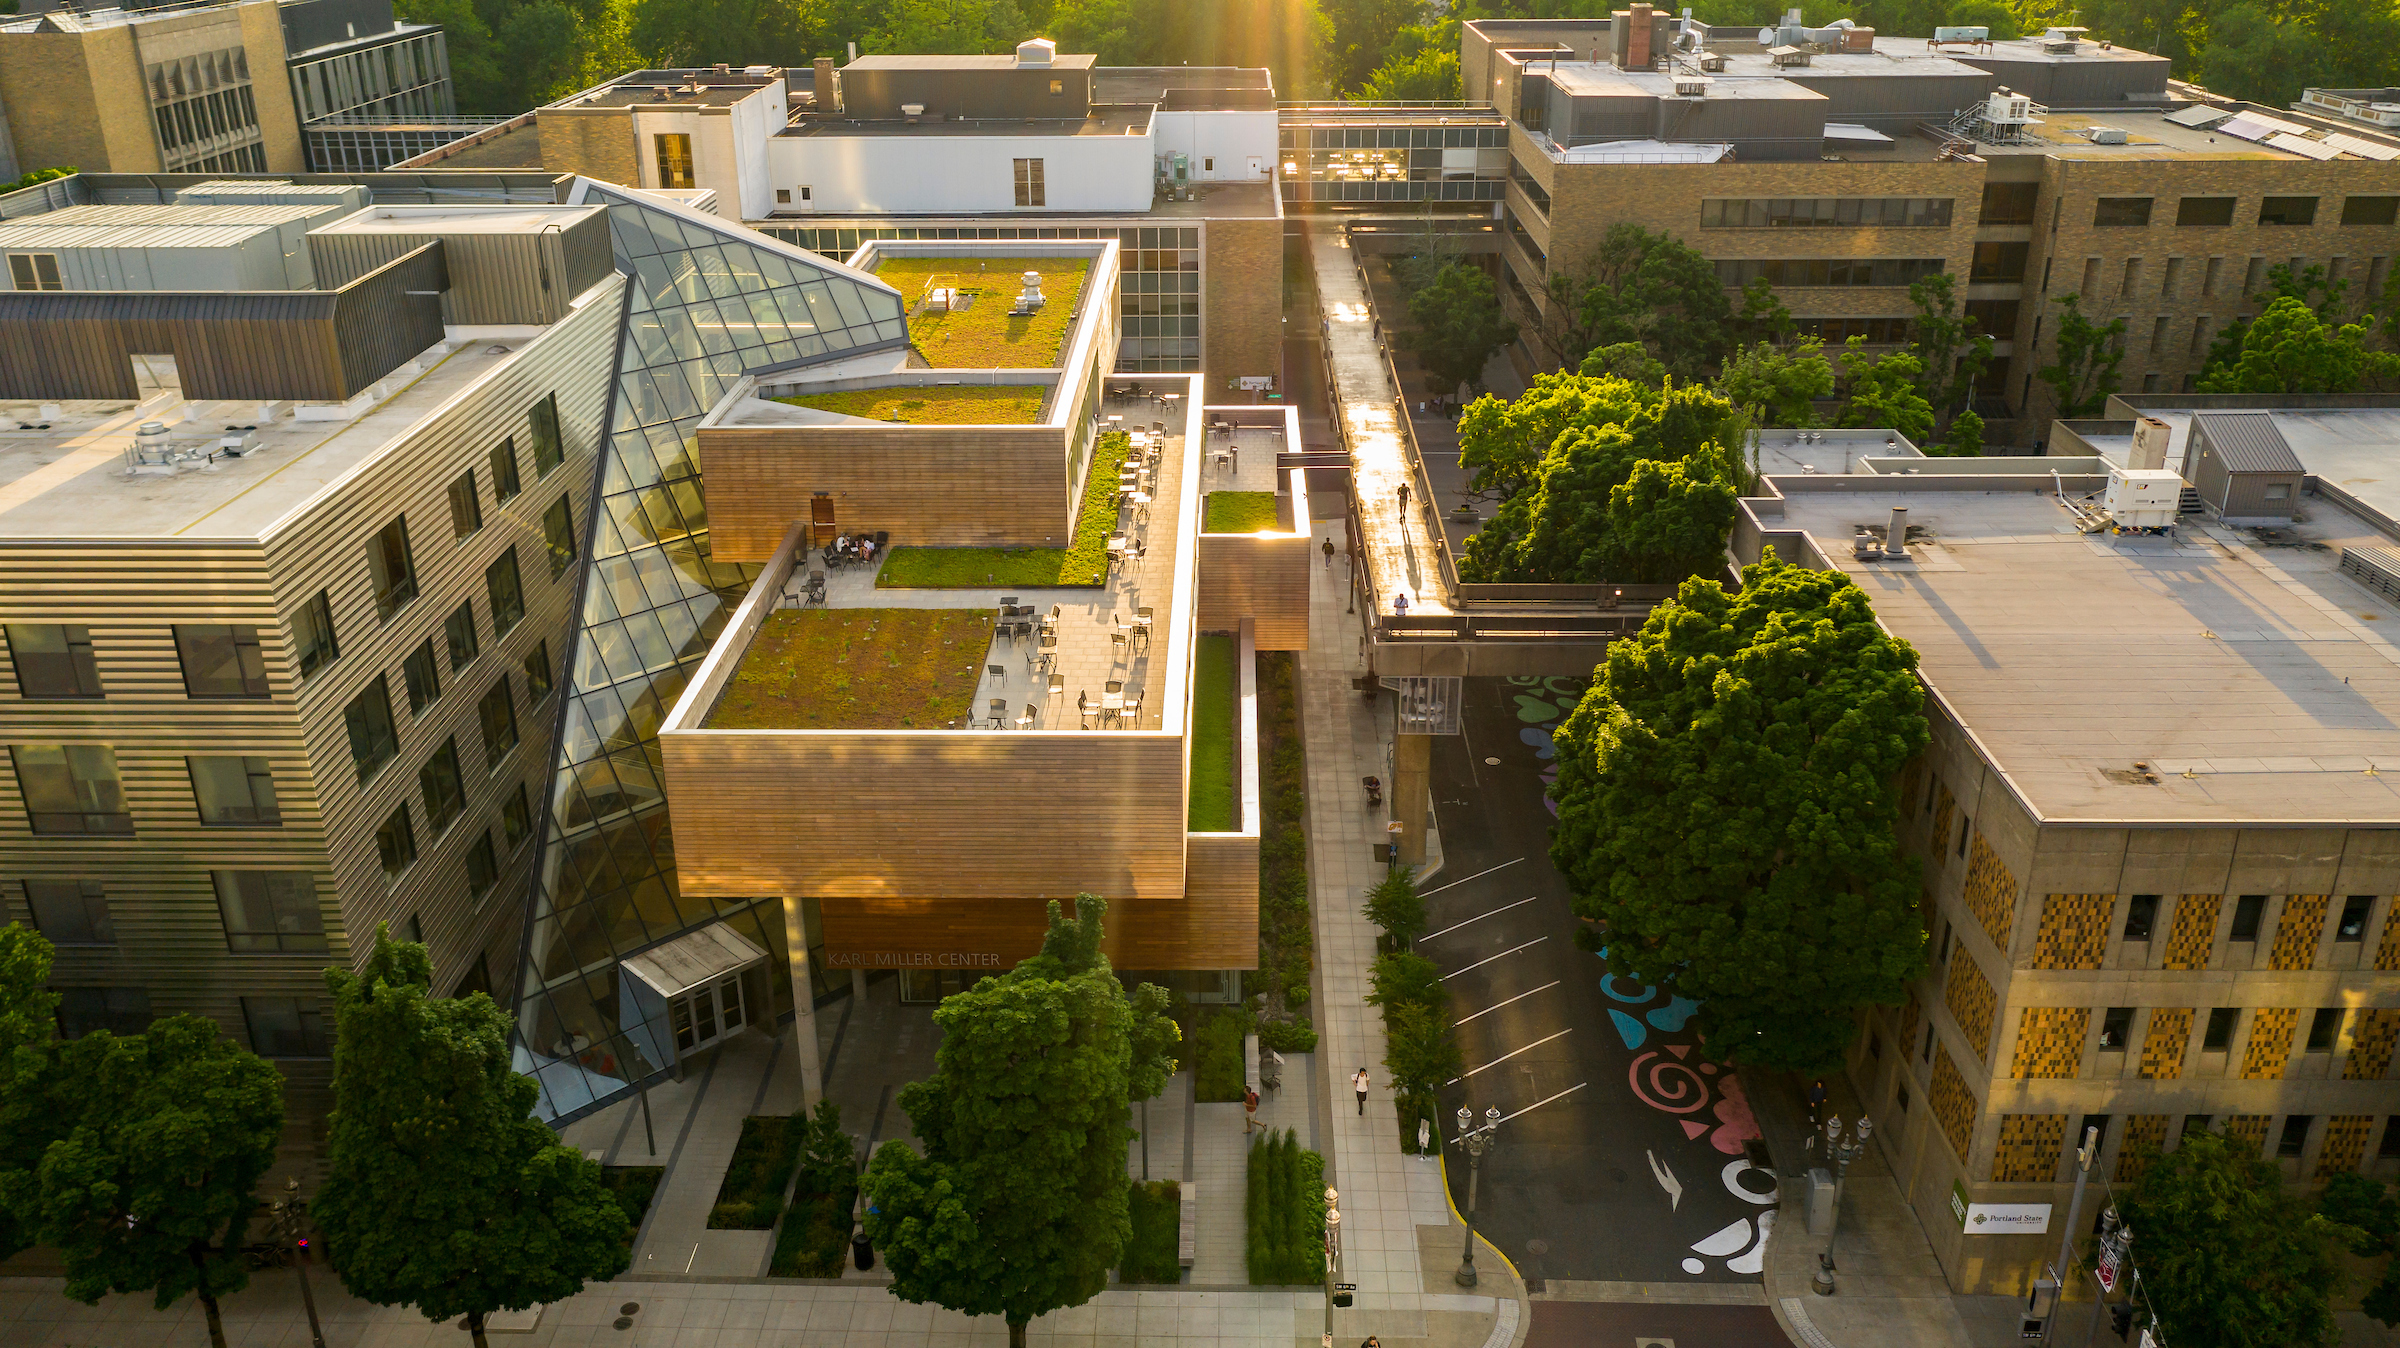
(2355,211)
(221,661)
(466,509)
(270,912)
(507,592)
(516,816)
(312,635)
(2204,211)
(483,866)
(549,451)
(439,781)
(2116,1026)
(2009,203)
(369,720)
(286,1027)
(2219,1037)
(396,843)
(2247,911)
(2295,1135)
(72,789)
(558,530)
(116,1010)
(707,1013)
(391,568)
(2287,211)
(35,271)
(783,196)
(2279,491)
(1998,318)
(71,912)
(2390,1146)
(2355,911)
(1058,86)
(498,713)
(674,159)
(537,671)
(421,672)
(2141,914)
(2120,211)
(53,660)
(459,629)
(2324,1028)
(1874,271)
(1029,183)
(1807,212)
(1998,262)
(235,791)
(504,472)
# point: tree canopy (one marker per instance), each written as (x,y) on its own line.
(1420,65)
(1016,1207)
(1637,286)
(2289,349)
(1884,392)
(28,1121)
(441,1189)
(2089,353)
(1778,384)
(1726,810)
(1455,325)
(2229,1257)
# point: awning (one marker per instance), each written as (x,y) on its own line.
(1855,134)
(694,960)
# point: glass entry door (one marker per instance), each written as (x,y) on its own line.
(707,1014)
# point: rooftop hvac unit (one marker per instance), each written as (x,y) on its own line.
(2008,109)
(2108,135)
(1942,35)
(2150,439)
(2142,498)
(2377,569)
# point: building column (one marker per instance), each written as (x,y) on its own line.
(858,987)
(804,1003)
(1412,793)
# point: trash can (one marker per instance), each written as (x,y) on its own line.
(862,1251)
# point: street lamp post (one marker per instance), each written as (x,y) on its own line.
(1333,1254)
(290,1214)
(1842,1153)
(1476,1141)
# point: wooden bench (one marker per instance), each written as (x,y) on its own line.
(1187,1225)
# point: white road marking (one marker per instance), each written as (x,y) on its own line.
(1502,955)
(1510,1054)
(1477,918)
(1497,1005)
(1665,1175)
(1539,1103)
(1463,879)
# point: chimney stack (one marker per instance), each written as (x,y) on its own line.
(2150,436)
(1895,534)
(1637,40)
(821,89)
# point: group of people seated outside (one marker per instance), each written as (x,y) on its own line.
(848,548)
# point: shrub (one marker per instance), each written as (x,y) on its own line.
(1288,1036)
(1217,1074)
(815,1239)
(2365,1205)
(1394,905)
(762,1164)
(828,1162)
(1404,977)
(1286,1213)
(1152,1252)
(632,1186)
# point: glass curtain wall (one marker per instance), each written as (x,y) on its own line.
(708,301)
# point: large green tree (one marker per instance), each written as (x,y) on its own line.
(1726,809)
(1667,521)
(2085,372)
(1637,286)
(1501,441)
(1952,345)
(1016,1207)
(1420,66)
(153,1181)
(1778,384)
(1884,392)
(2289,349)
(1455,325)
(442,1191)
(29,1119)
(1363,34)
(683,33)
(2229,1258)
(1291,38)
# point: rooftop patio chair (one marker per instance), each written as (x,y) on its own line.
(1025,722)
(999,713)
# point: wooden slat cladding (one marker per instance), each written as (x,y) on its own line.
(494,278)
(994,933)
(935,486)
(931,813)
(1258,576)
(387,316)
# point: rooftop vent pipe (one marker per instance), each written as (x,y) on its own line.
(1895,534)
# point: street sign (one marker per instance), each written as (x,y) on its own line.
(1345,1287)
(2147,1340)
(1258,383)
(2111,1264)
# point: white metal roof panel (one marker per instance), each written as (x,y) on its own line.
(2363,148)
(2199,116)
(2302,145)
(694,959)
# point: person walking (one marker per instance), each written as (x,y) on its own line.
(1400,602)
(1816,1104)
(1359,1083)
(1328,551)
(1249,1111)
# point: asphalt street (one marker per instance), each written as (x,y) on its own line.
(1620,1149)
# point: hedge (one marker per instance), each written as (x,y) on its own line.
(1285,1214)
(752,1195)
(1153,1252)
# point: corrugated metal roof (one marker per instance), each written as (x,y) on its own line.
(25,234)
(2247,442)
(182,215)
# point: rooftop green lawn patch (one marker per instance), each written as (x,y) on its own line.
(857,669)
(1241,512)
(983,336)
(939,405)
(1215,692)
(1084,563)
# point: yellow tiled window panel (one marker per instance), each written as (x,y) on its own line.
(2074,931)
(2345,1144)
(2163,1045)
(1945,806)
(2296,935)
(2050,1042)
(2194,932)
(2371,1044)
(1991,893)
(2248,1130)
(2387,951)
(1969,996)
(2270,1043)
(2145,1136)
(2029,1148)
(1953,1103)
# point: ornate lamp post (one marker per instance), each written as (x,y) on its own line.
(1333,1254)
(1842,1153)
(1476,1141)
(289,1216)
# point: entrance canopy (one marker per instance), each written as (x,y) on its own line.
(694,960)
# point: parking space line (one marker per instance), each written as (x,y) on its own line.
(1463,879)
(1502,955)
(1510,1054)
(1477,918)
(1518,998)
(1539,1103)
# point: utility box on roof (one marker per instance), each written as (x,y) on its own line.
(2142,498)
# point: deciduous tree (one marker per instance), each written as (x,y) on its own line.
(1778,384)
(1017,1205)
(1637,286)
(1726,810)
(1394,904)
(1666,522)
(1420,1048)
(2229,1258)
(1966,437)
(1952,345)
(2288,350)
(29,1120)
(1884,392)
(1630,361)
(2089,353)
(442,1191)
(1455,325)
(151,1185)
(1420,66)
